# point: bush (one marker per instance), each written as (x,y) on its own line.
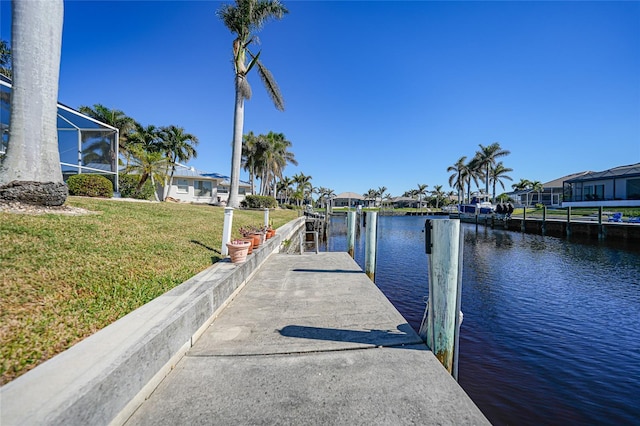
(127,185)
(259,201)
(90,185)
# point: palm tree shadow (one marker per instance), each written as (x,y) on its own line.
(214,259)
(403,335)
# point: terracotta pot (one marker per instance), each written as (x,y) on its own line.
(238,251)
(248,239)
(256,240)
(271,233)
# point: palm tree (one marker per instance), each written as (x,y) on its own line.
(457,179)
(473,171)
(498,173)
(324,194)
(30,170)
(537,186)
(5,59)
(486,159)
(285,185)
(250,157)
(147,154)
(303,184)
(114,118)
(243,19)
(371,194)
(179,147)
(421,192)
(437,194)
(274,159)
(522,185)
(380,193)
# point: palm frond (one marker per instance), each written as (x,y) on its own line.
(244,87)
(271,86)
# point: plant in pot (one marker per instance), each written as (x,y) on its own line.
(252,232)
(238,250)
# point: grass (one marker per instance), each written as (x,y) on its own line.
(66,277)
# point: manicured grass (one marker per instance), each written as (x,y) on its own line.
(66,277)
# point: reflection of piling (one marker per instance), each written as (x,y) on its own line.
(370,246)
(351,233)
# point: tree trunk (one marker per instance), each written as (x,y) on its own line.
(30,171)
(236,149)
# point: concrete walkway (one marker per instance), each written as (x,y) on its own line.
(309,340)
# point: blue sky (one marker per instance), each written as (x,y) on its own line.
(377,93)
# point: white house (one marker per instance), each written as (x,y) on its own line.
(195,186)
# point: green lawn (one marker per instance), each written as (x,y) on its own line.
(65,277)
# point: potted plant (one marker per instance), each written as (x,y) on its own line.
(238,250)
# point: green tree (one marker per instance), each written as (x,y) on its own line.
(438,194)
(114,118)
(497,174)
(5,59)
(522,185)
(243,19)
(381,192)
(303,185)
(486,158)
(251,151)
(147,156)
(421,192)
(274,159)
(30,170)
(458,178)
(179,147)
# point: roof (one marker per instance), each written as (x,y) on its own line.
(621,171)
(349,195)
(557,183)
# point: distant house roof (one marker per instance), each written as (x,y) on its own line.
(183,171)
(630,170)
(557,183)
(349,196)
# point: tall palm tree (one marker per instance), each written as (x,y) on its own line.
(499,172)
(522,185)
(486,159)
(303,183)
(286,185)
(30,170)
(381,190)
(421,192)
(457,179)
(537,186)
(114,118)
(5,59)
(243,19)
(250,157)
(179,147)
(323,195)
(473,172)
(274,159)
(437,194)
(371,194)
(146,154)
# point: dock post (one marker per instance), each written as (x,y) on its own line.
(544,220)
(600,227)
(226,229)
(351,233)
(266,217)
(441,322)
(370,245)
(524,219)
(568,221)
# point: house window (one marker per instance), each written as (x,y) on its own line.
(633,189)
(223,189)
(182,186)
(202,188)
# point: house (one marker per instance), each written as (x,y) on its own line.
(347,199)
(550,195)
(85,145)
(617,187)
(196,186)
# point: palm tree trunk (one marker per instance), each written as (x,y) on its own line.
(32,160)
(236,149)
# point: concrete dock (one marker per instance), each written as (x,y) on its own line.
(308,340)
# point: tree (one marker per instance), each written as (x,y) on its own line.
(30,170)
(250,157)
(498,173)
(5,59)
(274,159)
(473,171)
(303,185)
(421,192)
(148,159)
(458,178)
(179,147)
(114,118)
(537,186)
(380,193)
(243,19)
(324,194)
(486,159)
(371,194)
(437,194)
(286,185)
(522,185)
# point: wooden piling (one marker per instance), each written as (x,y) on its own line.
(370,245)
(351,233)
(443,308)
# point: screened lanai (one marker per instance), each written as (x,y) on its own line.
(85,145)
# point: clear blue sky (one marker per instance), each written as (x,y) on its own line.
(377,93)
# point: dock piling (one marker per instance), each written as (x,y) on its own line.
(370,245)
(226,229)
(351,233)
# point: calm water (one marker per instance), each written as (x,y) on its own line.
(551,330)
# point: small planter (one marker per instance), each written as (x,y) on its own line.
(271,233)
(248,239)
(238,250)
(256,240)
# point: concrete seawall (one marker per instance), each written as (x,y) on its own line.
(105,377)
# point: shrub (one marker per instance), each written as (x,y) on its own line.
(127,185)
(90,185)
(259,201)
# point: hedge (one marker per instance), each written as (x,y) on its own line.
(90,185)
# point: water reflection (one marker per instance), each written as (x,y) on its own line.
(550,326)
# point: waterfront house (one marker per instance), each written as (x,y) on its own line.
(348,199)
(550,195)
(85,145)
(196,186)
(616,187)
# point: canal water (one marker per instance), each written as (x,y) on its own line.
(551,330)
